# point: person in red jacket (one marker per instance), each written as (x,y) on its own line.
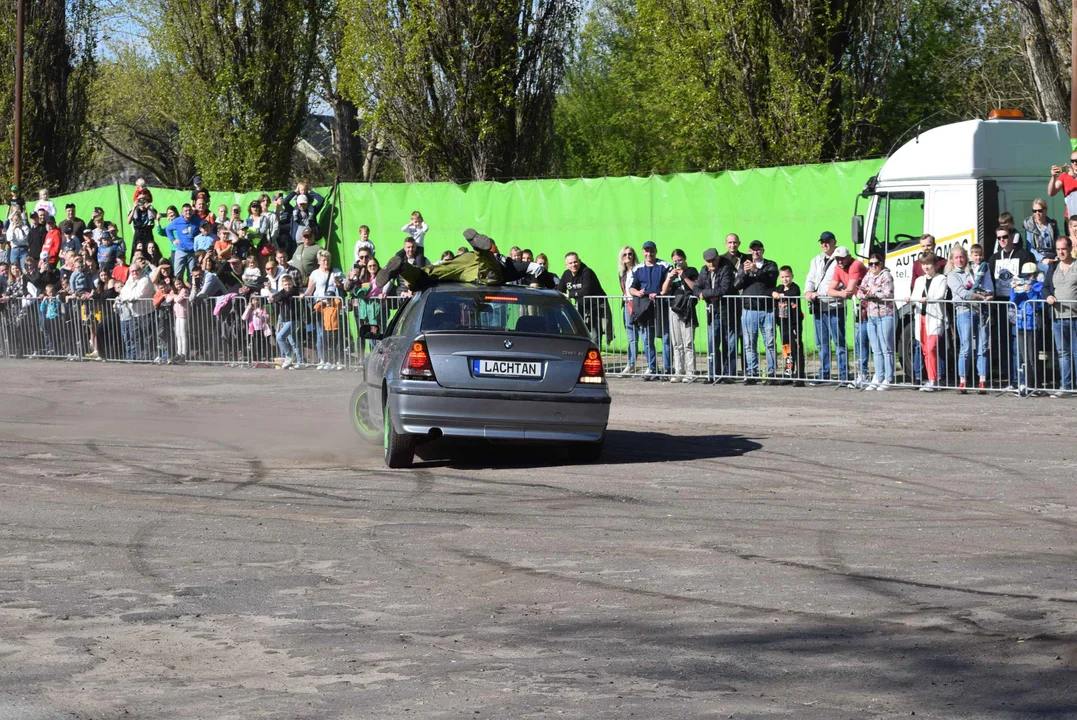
(53,239)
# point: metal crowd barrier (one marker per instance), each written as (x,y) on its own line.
(234,330)
(737,338)
(960,345)
(1045,336)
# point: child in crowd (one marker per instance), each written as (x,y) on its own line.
(284,304)
(107,253)
(181,304)
(203,241)
(141,191)
(416,229)
(1025,292)
(252,278)
(790,324)
(223,244)
(364,243)
(929,319)
(258,329)
(43,203)
(50,316)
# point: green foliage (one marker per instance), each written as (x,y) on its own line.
(60,63)
(668,85)
(135,116)
(225,91)
(460,89)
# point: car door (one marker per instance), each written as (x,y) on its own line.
(385,353)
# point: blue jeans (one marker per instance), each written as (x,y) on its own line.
(1065,334)
(649,333)
(830,327)
(182,260)
(632,333)
(286,341)
(715,359)
(863,347)
(129,332)
(753,322)
(17,255)
(880,332)
(971,328)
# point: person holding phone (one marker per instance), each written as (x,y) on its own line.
(1064,180)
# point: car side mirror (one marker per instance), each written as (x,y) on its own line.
(858,231)
(370,332)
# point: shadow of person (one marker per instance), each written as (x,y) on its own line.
(622,447)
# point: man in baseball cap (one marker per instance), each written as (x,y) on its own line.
(714,283)
(827,312)
(647,280)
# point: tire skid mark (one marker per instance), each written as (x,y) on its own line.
(826,618)
(859,576)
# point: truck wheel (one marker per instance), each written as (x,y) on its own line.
(399,447)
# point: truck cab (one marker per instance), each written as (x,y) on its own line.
(953,181)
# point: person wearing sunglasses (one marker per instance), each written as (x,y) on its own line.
(876,293)
(1064,180)
(1041,232)
(626,263)
(1004,266)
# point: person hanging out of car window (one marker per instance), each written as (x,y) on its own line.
(482,266)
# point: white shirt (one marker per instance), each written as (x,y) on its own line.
(820,275)
(419,233)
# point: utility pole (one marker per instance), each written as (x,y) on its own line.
(17,150)
(1073,69)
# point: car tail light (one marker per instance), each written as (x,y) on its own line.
(417,365)
(593,372)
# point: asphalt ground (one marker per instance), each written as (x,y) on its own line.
(216,543)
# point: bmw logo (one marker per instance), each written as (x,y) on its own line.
(508,344)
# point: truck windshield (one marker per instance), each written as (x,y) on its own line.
(899,220)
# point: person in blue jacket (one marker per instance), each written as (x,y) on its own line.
(304,213)
(181,233)
(1026,292)
(647,280)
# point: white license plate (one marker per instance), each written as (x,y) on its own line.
(507,368)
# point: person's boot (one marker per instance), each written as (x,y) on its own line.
(477,240)
(388,273)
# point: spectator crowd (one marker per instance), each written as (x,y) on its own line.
(255,284)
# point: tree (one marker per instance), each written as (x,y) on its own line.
(459,89)
(245,76)
(135,116)
(60,63)
(606,118)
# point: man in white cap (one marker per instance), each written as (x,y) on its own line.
(848,274)
(304,213)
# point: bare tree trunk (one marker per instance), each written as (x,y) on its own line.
(372,157)
(347,145)
(1046,75)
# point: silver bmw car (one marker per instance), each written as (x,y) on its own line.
(501,363)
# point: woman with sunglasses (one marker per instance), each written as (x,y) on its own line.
(625,262)
(970,319)
(876,293)
(1041,232)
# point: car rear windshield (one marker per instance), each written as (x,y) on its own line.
(502,310)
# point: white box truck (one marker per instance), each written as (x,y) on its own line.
(953,181)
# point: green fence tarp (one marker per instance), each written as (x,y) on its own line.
(785,207)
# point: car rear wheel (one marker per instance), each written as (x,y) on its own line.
(367,430)
(587,452)
(399,447)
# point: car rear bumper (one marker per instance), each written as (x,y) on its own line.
(578,416)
